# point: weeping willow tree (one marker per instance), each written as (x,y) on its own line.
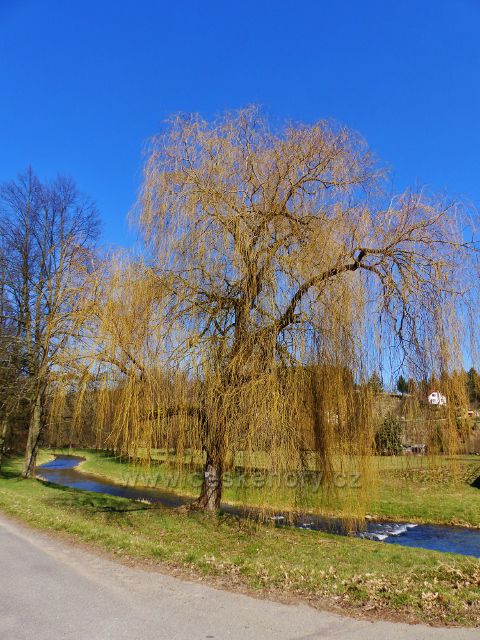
(277,275)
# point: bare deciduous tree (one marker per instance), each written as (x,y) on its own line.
(11,379)
(47,232)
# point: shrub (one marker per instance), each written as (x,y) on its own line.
(388,439)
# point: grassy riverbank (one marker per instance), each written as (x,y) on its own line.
(324,570)
(414,489)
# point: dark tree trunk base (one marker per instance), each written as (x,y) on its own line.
(4,431)
(211,492)
(33,440)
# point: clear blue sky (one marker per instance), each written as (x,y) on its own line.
(84,84)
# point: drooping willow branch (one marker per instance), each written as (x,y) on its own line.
(279,277)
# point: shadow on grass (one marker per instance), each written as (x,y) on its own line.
(6,474)
(94,503)
(89,501)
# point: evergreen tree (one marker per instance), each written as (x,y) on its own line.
(402,385)
(388,439)
(375,383)
(473,385)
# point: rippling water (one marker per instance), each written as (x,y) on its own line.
(62,470)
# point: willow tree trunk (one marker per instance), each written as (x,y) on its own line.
(33,441)
(211,492)
(216,427)
(4,431)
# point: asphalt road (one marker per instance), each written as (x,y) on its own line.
(50,590)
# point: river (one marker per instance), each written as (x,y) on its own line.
(466,541)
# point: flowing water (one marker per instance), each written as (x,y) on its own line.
(62,470)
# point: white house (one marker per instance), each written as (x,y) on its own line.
(436,398)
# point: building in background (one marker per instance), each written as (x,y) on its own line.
(436,398)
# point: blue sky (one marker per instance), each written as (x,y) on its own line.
(84,84)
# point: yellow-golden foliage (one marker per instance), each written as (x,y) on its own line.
(277,277)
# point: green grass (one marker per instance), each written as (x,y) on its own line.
(418,489)
(321,569)
(430,495)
